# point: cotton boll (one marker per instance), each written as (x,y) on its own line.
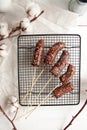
(16,104)
(33,10)
(3,47)
(25,23)
(12,109)
(12,99)
(3,53)
(29,29)
(12,104)
(29,5)
(4,30)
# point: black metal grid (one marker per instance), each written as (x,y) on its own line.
(26,46)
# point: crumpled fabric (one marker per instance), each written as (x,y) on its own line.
(54,20)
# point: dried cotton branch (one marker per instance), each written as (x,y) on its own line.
(33,11)
(14,127)
(4,30)
(74,117)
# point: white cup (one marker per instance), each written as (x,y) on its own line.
(5,5)
(78,6)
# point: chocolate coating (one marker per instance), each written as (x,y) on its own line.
(68,75)
(62,90)
(38,54)
(60,64)
(53,51)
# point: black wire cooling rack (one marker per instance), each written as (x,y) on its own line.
(26,72)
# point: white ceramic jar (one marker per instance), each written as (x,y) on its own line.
(78,6)
(5,5)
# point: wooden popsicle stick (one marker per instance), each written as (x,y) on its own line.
(32,86)
(38,77)
(35,82)
(43,101)
(44,87)
(29,90)
(28,111)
